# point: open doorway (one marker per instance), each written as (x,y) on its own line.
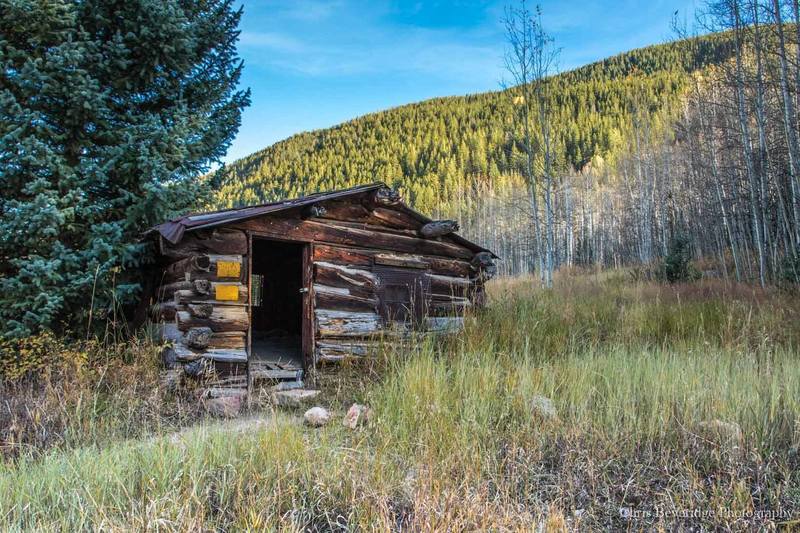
(277,305)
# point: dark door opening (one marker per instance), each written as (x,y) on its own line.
(277,304)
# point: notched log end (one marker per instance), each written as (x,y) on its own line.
(313,210)
(438,228)
(383,197)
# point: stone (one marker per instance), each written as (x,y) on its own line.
(317,416)
(543,407)
(224,407)
(726,435)
(357,415)
(294,397)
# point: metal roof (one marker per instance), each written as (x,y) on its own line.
(173,230)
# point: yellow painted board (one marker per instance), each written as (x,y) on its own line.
(228,269)
(226,292)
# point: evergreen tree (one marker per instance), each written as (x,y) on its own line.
(108,111)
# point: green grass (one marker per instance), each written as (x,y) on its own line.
(634,371)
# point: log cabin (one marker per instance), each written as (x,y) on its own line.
(274,291)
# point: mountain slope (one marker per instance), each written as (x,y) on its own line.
(437,150)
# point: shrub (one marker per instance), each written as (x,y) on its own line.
(676,266)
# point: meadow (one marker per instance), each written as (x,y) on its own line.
(603,403)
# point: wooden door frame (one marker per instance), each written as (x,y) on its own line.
(307,306)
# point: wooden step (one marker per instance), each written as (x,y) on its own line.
(259,374)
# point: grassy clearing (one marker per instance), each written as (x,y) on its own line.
(637,374)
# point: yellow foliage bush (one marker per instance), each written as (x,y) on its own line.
(22,357)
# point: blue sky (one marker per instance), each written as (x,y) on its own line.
(312,63)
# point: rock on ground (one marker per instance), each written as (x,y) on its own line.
(357,415)
(543,407)
(224,407)
(293,398)
(727,435)
(317,416)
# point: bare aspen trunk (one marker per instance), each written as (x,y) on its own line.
(747,148)
(790,127)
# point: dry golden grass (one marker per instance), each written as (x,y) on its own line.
(677,407)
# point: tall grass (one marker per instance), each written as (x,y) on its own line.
(635,373)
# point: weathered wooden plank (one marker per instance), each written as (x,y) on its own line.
(337,350)
(337,298)
(345,210)
(221,318)
(441,305)
(359,282)
(342,256)
(365,258)
(393,218)
(226,355)
(258,374)
(228,339)
(316,231)
(401,260)
(217,241)
(371,227)
(346,324)
(449,285)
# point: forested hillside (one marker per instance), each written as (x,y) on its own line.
(452,156)
(435,150)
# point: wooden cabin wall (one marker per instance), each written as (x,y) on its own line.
(203,298)
(351,242)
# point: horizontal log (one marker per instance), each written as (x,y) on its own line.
(218,292)
(345,210)
(228,339)
(448,307)
(333,351)
(359,282)
(164,311)
(393,218)
(185,353)
(210,267)
(354,257)
(371,227)
(167,291)
(401,260)
(450,285)
(222,318)
(223,241)
(319,231)
(337,298)
(183,269)
(226,355)
(169,332)
(342,256)
(438,228)
(346,324)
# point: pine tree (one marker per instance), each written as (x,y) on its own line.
(108,112)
